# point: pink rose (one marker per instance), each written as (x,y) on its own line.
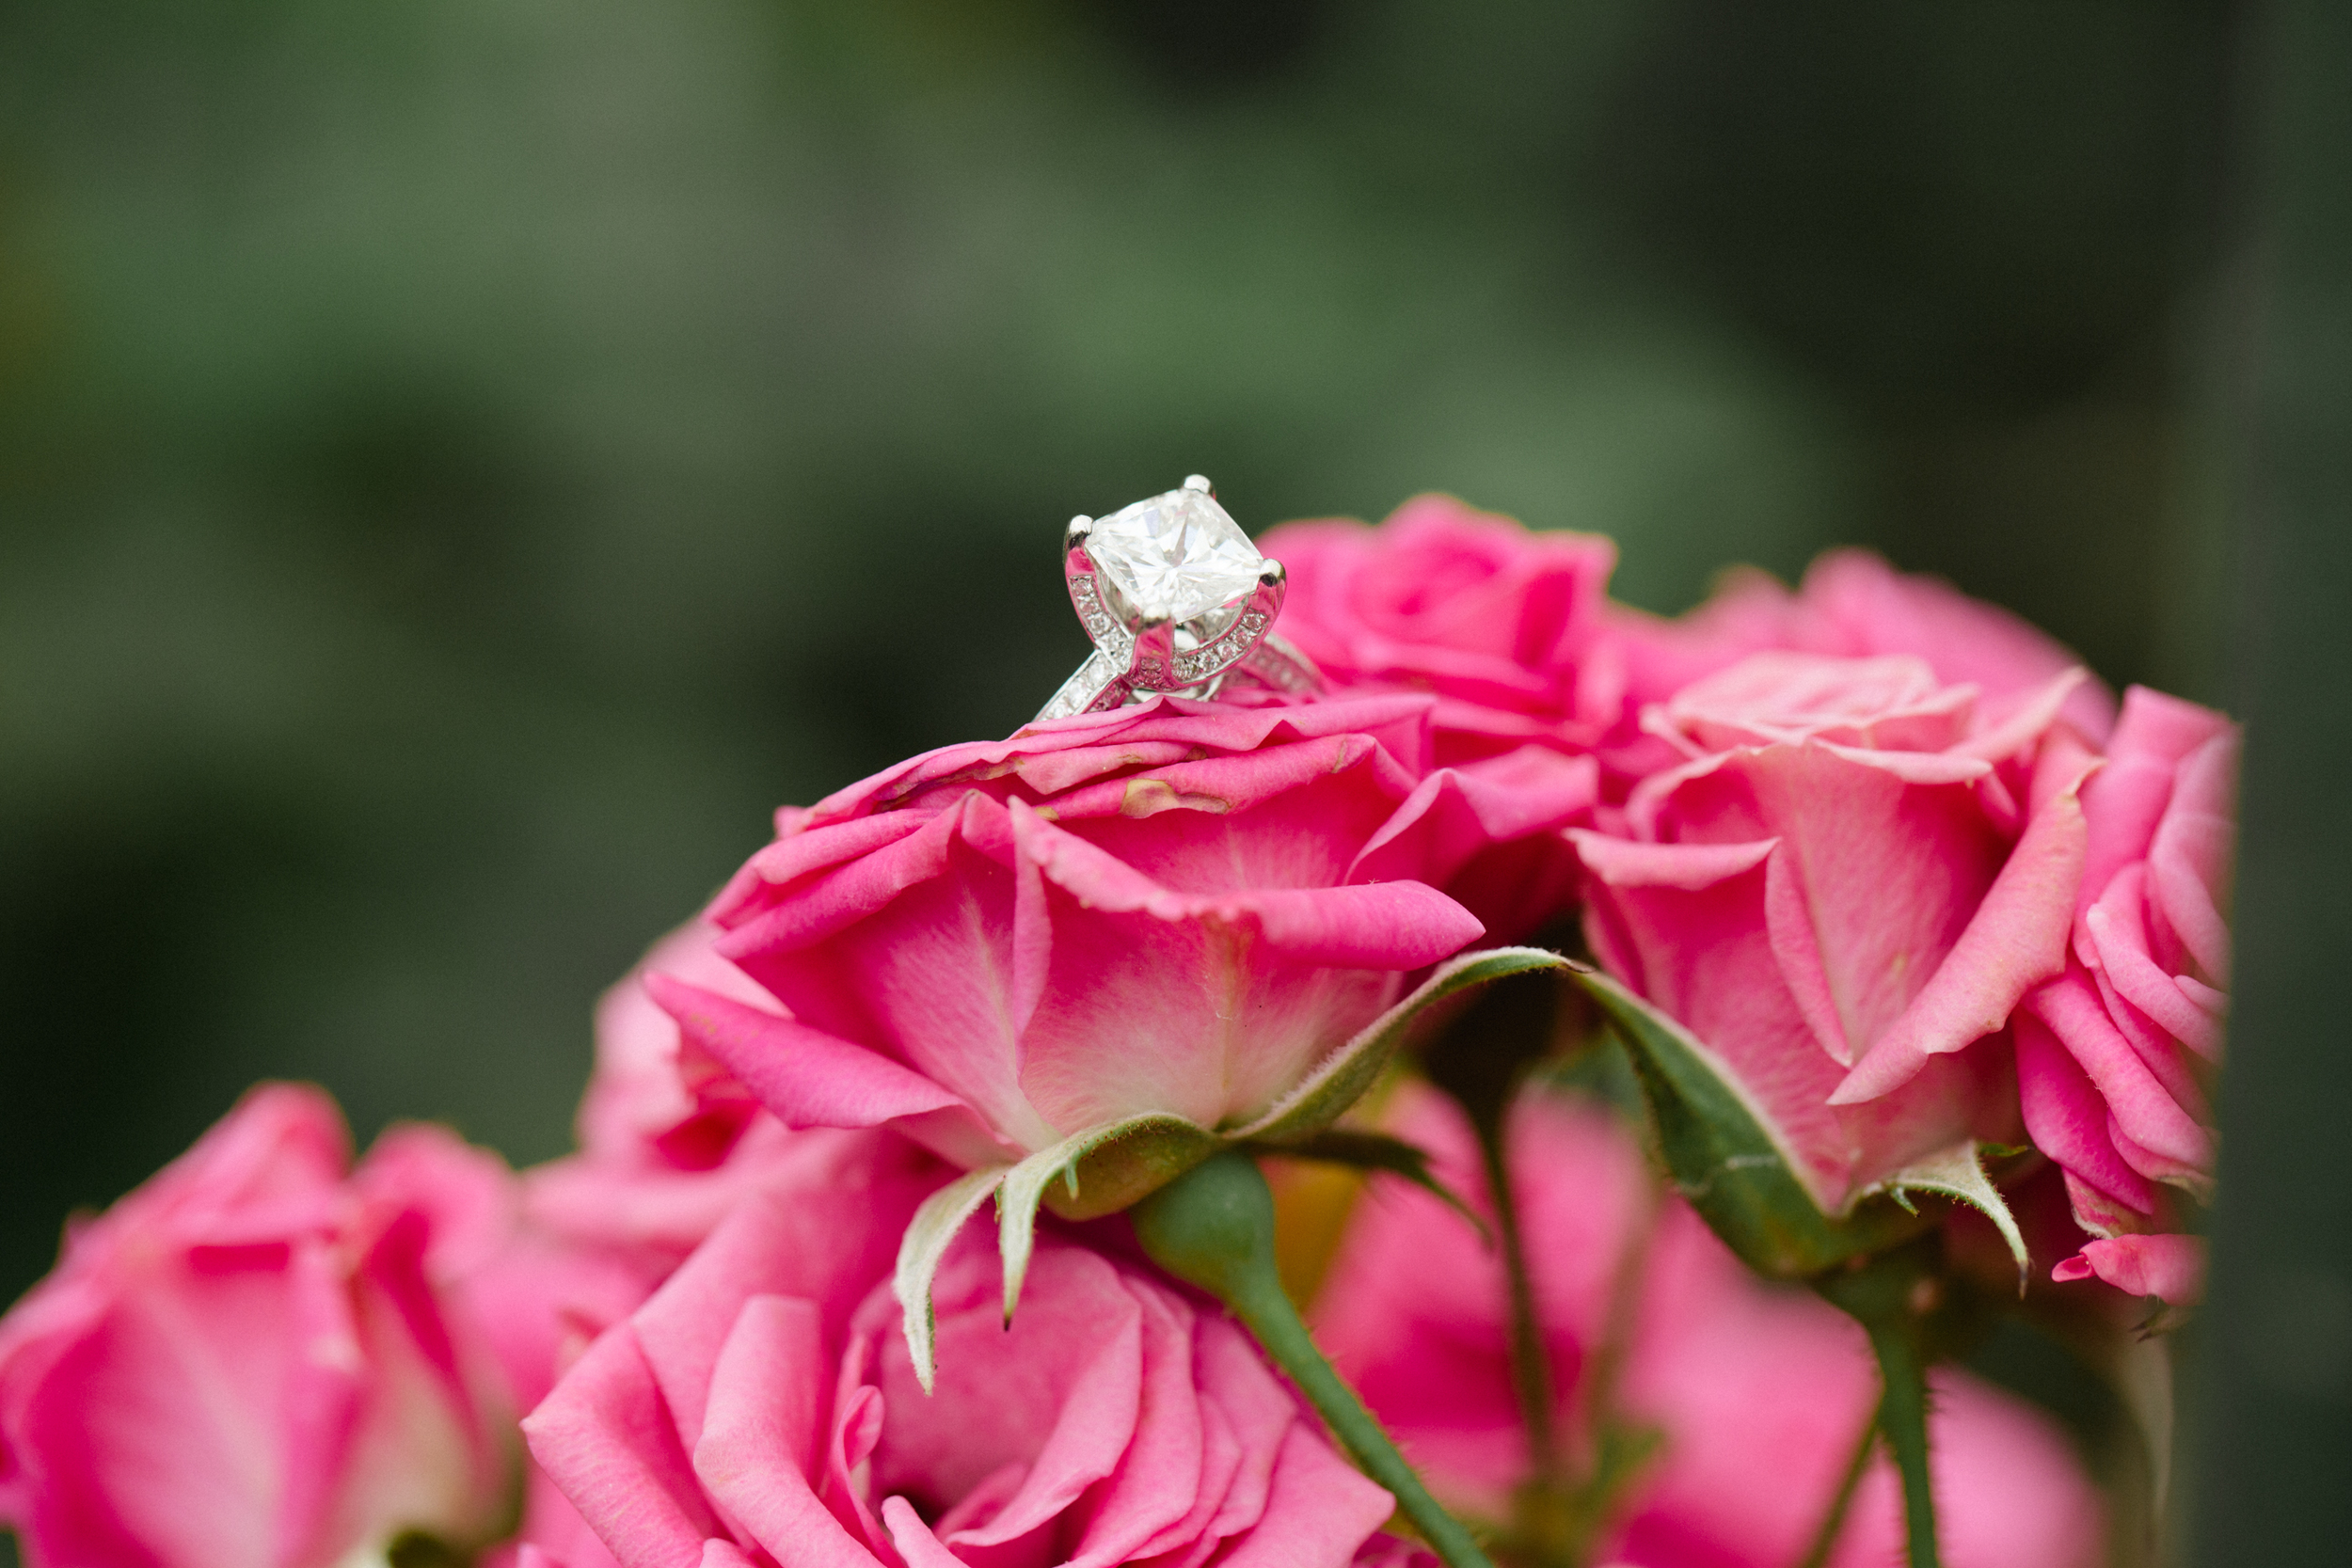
(539,1301)
(1505,627)
(1854,872)
(1854,604)
(656,1102)
(762,1406)
(1179,908)
(1758,1394)
(669,1144)
(669,1140)
(1504,624)
(2115,1056)
(249,1359)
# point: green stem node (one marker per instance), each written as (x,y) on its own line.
(1214,1228)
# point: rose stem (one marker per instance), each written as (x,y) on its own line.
(1607,1367)
(1482,1060)
(1891,1296)
(1903,1417)
(1531,1362)
(1214,1226)
(1841,1501)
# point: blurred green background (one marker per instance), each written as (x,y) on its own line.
(463,463)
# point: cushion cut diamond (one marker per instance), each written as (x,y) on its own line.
(1176,557)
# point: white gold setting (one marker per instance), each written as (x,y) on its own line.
(1177,600)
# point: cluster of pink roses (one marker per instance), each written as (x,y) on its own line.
(1899,866)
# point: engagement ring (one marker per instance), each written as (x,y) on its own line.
(1177,600)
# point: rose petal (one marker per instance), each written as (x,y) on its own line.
(2170,1268)
(1789,923)
(606,1438)
(2150,1117)
(2123,958)
(1393,926)
(760,1434)
(806,1077)
(1621,863)
(2015,940)
(2066,1116)
(1318,1511)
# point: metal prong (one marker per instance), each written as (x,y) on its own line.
(1075,534)
(1272,574)
(1199,483)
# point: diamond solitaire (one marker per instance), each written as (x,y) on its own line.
(1176,599)
(1177,556)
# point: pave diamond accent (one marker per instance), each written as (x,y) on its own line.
(1175,557)
(1083,688)
(1201,662)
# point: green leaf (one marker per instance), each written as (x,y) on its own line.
(1345,1145)
(1721,1154)
(1103,1170)
(1341,1078)
(920,1249)
(1958,1173)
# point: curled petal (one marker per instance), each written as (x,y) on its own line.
(2147,1112)
(2015,940)
(1397,925)
(761,1434)
(1621,863)
(2067,1118)
(605,1437)
(2121,942)
(2170,1268)
(806,1077)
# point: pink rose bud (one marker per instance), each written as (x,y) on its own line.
(1757,1395)
(762,1407)
(655,1101)
(1853,872)
(1177,908)
(1506,628)
(669,1139)
(2116,1057)
(1505,625)
(250,1360)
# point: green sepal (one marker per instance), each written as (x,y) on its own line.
(1958,1173)
(921,1248)
(1099,1171)
(1723,1157)
(1343,1078)
(1112,1167)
